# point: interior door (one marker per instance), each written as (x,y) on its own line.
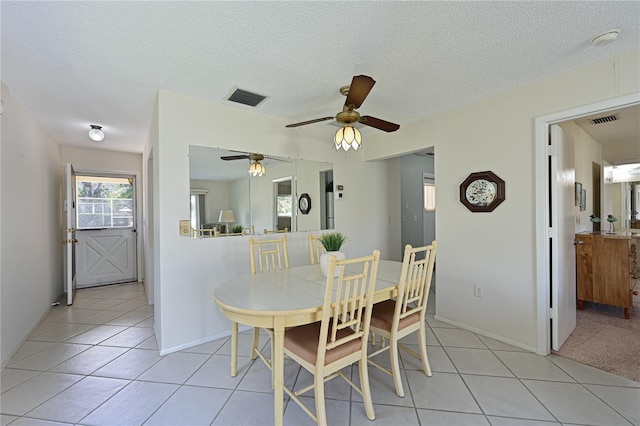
(563,272)
(69,232)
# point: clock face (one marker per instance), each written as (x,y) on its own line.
(481,192)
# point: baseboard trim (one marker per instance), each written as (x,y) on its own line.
(486,334)
(201,341)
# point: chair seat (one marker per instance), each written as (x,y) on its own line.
(304,340)
(382,316)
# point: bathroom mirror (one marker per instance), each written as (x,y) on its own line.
(226,201)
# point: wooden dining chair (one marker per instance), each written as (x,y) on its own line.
(395,319)
(339,339)
(272,255)
(315,248)
(275,231)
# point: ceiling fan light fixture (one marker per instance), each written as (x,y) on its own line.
(257,169)
(96,133)
(348,137)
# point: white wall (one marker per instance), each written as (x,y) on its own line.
(498,249)
(101,160)
(187,271)
(31,253)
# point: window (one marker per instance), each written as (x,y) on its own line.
(198,208)
(104,202)
(429,197)
(285,206)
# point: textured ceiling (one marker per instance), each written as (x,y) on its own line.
(78,63)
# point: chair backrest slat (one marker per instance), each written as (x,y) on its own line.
(272,254)
(415,281)
(316,249)
(348,301)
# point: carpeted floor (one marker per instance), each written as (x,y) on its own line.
(604,339)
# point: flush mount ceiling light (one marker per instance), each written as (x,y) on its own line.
(348,137)
(96,133)
(606,38)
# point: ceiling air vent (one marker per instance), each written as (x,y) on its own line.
(245,97)
(607,119)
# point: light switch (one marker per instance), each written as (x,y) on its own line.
(185,228)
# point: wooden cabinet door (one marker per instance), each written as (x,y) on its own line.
(584,267)
(616,271)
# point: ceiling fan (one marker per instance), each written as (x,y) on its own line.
(255,167)
(356,93)
(250,157)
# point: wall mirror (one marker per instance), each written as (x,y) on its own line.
(622,195)
(225,200)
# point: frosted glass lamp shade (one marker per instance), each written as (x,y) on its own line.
(96,133)
(257,169)
(347,137)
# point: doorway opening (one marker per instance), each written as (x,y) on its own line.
(546,214)
(284,218)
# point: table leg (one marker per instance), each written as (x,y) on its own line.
(278,370)
(234,349)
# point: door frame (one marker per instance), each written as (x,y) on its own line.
(138,205)
(294,201)
(542,127)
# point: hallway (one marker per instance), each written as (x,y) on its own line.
(96,363)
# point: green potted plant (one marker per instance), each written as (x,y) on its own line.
(235,229)
(332,243)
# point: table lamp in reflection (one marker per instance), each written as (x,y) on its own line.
(227,217)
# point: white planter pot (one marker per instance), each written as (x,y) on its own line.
(324,262)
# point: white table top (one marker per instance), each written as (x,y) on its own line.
(296,289)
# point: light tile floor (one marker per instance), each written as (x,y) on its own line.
(97,363)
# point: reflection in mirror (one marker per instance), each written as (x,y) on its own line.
(622,195)
(219,182)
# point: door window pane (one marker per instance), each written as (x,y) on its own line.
(104,202)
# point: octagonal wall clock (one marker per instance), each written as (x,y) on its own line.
(482,191)
(304,203)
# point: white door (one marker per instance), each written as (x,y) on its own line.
(106,230)
(69,238)
(563,264)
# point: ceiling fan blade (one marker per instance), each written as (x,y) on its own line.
(303,123)
(386,126)
(234,157)
(360,87)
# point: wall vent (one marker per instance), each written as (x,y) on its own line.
(606,119)
(245,97)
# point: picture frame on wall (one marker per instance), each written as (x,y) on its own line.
(578,195)
(583,200)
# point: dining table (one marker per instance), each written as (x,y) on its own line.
(286,298)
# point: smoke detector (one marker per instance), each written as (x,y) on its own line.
(606,38)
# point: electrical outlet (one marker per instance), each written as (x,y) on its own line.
(478,291)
